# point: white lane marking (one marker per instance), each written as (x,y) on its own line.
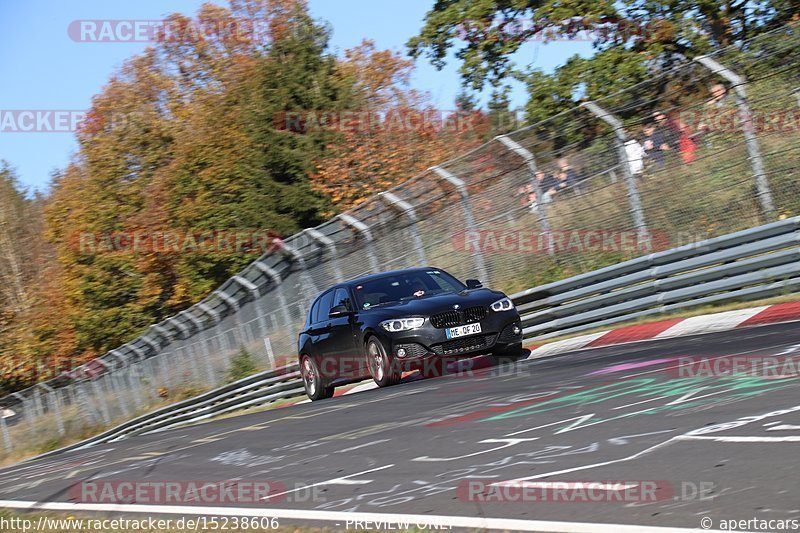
(708,323)
(344,480)
(471,522)
(363,445)
(783,427)
(700,431)
(360,388)
(508,442)
(640,403)
(568,485)
(566,345)
(590,466)
(577,419)
(733,438)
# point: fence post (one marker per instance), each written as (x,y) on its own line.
(198,324)
(401,205)
(748,130)
(56,407)
(116,379)
(469,220)
(362,228)
(276,279)
(216,318)
(307,285)
(530,162)
(4,428)
(643,238)
(328,243)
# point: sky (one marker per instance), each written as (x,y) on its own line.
(43,69)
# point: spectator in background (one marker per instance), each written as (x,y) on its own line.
(635,154)
(567,177)
(547,184)
(720,97)
(650,145)
(687,142)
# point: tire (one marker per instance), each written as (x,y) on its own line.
(380,365)
(508,355)
(315,386)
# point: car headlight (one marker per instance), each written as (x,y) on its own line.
(504,304)
(402,324)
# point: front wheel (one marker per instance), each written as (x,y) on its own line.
(379,364)
(312,380)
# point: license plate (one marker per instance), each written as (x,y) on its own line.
(463,331)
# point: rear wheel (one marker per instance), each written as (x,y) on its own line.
(380,366)
(315,386)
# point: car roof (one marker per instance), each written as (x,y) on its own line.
(362,279)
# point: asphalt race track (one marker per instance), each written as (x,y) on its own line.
(717,447)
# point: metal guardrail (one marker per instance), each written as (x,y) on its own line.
(265,387)
(750,264)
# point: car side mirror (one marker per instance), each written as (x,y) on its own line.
(339,310)
(474,284)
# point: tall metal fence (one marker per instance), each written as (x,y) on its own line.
(662,164)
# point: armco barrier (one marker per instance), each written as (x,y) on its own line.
(754,263)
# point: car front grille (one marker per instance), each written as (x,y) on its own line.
(463,345)
(451,319)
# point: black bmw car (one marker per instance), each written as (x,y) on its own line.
(415,319)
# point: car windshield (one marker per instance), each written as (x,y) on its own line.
(405,286)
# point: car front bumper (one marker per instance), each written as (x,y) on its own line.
(497,335)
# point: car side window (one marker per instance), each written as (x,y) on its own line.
(313,312)
(324,307)
(341,297)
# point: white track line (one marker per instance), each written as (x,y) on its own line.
(709,323)
(474,522)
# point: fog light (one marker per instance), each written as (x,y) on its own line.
(401,352)
(516,330)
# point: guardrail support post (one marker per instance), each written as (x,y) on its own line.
(362,228)
(327,242)
(469,220)
(392,200)
(621,135)
(530,162)
(739,85)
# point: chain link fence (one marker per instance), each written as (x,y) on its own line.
(706,148)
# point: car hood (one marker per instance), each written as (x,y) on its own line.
(439,303)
